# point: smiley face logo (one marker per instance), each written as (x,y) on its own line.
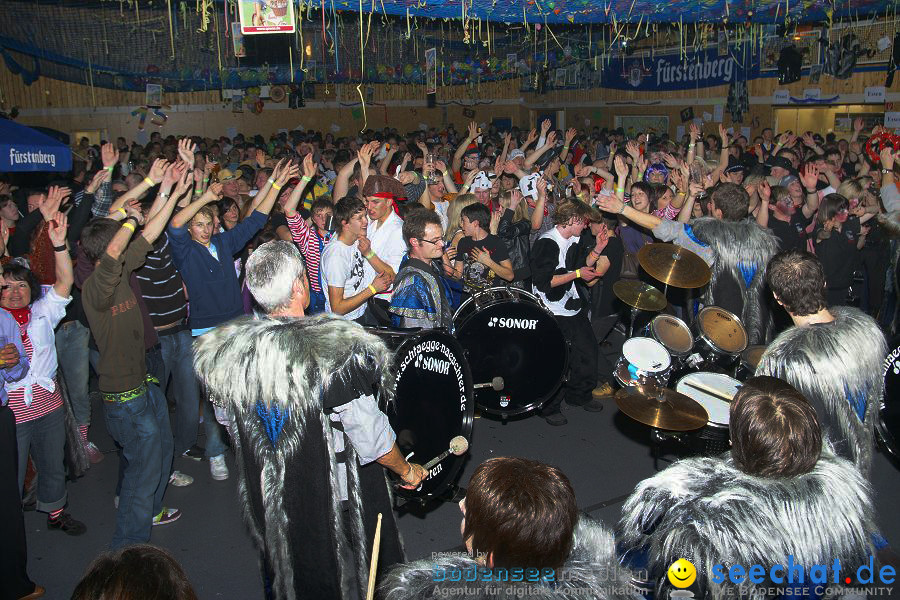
(682,573)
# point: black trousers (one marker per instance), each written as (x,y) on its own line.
(582,376)
(13,554)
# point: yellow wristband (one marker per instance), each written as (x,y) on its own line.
(276,187)
(149,181)
(128,225)
(577,273)
(373,290)
(123,211)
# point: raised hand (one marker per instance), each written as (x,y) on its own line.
(695,132)
(610,204)
(96,181)
(288,171)
(185,183)
(632,149)
(133,208)
(109,155)
(621,169)
(551,138)
(545,126)
(723,133)
(532,135)
(809,176)
(570,135)
(57,228)
(441,167)
(473,131)
(541,187)
(158,170)
(213,192)
(186,150)
(858,124)
(49,204)
(764,190)
(309,167)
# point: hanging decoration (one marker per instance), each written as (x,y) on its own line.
(876,142)
(159,118)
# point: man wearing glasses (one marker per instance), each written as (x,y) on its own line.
(421,298)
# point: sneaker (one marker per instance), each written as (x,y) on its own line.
(93,453)
(195,452)
(166,516)
(179,479)
(65,522)
(593,405)
(217,468)
(556,419)
(604,390)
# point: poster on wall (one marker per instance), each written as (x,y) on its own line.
(634,124)
(271,16)
(677,72)
(153,96)
(431,71)
(237,103)
(237,40)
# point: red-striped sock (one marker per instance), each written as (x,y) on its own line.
(82,429)
(54,515)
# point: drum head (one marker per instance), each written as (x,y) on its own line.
(888,424)
(646,354)
(718,409)
(520,342)
(673,334)
(722,329)
(751,356)
(432,405)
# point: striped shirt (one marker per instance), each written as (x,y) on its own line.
(161,285)
(311,245)
(43,402)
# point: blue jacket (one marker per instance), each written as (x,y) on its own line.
(213,290)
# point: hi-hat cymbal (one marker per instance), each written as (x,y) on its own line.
(661,408)
(638,294)
(674,265)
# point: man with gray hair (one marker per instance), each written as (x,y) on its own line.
(307,431)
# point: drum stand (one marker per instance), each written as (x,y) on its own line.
(660,438)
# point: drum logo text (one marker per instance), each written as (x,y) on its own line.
(509,323)
(435,365)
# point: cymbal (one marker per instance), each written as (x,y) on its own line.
(638,294)
(661,408)
(674,265)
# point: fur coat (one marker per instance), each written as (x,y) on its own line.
(591,572)
(710,512)
(273,377)
(742,250)
(838,367)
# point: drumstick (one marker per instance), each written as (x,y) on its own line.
(458,446)
(373,564)
(711,391)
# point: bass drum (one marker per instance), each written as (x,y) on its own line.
(507,333)
(888,424)
(432,404)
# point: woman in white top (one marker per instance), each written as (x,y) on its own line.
(35,399)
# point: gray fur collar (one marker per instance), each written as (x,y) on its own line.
(708,511)
(828,362)
(733,243)
(591,566)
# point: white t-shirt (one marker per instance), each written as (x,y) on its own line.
(344,267)
(441,209)
(387,242)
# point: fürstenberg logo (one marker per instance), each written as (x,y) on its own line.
(513,323)
(434,365)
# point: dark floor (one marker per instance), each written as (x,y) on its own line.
(604,454)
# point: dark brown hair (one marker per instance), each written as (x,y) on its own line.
(415,222)
(774,430)
(140,572)
(732,200)
(830,206)
(96,236)
(565,211)
(522,512)
(346,208)
(796,277)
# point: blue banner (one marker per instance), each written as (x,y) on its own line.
(677,72)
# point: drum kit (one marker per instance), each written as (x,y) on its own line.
(704,363)
(507,357)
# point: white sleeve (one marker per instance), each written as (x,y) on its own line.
(51,305)
(367,428)
(335,268)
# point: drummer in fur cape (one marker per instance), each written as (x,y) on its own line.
(833,355)
(782,497)
(736,248)
(299,394)
(524,538)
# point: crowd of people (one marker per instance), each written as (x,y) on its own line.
(165,266)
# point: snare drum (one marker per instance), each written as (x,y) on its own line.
(720,336)
(432,403)
(749,361)
(643,361)
(506,332)
(713,438)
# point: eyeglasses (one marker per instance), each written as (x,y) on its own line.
(439,241)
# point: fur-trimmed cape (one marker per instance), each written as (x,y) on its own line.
(738,244)
(288,471)
(591,572)
(837,366)
(708,511)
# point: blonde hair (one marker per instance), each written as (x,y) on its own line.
(521,212)
(851,188)
(780,193)
(453,213)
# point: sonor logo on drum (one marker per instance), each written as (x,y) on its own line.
(513,323)
(435,365)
